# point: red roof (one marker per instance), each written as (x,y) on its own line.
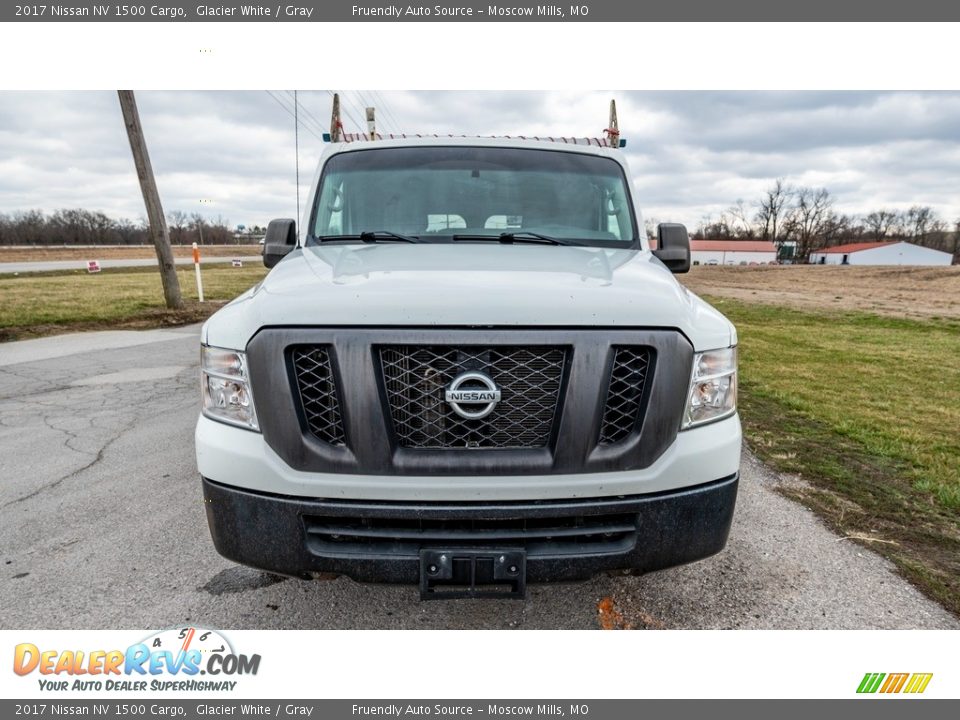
(854,247)
(733,246)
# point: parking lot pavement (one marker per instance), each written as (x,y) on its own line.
(102,526)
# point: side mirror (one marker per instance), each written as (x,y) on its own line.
(281,238)
(673,247)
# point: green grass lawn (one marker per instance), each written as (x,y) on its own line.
(867,410)
(38,304)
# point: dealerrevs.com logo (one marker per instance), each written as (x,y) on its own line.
(892,683)
(171,659)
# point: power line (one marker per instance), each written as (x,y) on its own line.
(389,111)
(346,98)
(360,110)
(347,112)
(293,115)
(382,118)
(306,112)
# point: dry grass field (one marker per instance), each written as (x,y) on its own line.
(906,292)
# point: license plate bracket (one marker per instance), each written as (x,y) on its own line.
(448,574)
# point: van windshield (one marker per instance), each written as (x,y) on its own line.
(438,194)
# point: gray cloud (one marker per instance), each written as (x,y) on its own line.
(693,153)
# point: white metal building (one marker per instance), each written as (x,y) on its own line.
(881,253)
(732,252)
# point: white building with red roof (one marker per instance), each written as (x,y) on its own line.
(732,252)
(880,253)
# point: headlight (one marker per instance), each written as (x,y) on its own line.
(226,387)
(713,387)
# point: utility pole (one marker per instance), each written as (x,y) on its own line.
(151,198)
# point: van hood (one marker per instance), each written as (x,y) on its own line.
(483,284)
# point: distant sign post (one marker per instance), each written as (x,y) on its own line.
(196,269)
(93,266)
(236,262)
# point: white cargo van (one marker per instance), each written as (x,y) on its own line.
(469,371)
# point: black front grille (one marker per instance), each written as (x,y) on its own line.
(318,393)
(539,536)
(529,379)
(624,403)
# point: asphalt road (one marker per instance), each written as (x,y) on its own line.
(9,268)
(102,525)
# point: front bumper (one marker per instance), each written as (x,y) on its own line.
(243,459)
(564,540)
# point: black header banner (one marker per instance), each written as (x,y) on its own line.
(482,11)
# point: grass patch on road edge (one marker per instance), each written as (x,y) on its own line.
(38,304)
(866,410)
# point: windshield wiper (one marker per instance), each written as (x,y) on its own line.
(518,236)
(527,236)
(370,236)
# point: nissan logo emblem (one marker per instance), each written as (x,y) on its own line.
(472,395)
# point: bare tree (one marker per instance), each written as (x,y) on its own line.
(839,228)
(880,223)
(76,226)
(921,221)
(178,223)
(772,208)
(197,220)
(151,198)
(128,231)
(717,230)
(740,223)
(809,219)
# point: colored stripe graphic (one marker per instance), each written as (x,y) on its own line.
(918,682)
(894,683)
(870,682)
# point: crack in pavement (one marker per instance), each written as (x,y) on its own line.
(158,392)
(50,485)
(69,433)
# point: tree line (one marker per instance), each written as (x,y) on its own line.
(804,218)
(85,227)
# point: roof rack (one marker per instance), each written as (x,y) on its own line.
(611,137)
(364,137)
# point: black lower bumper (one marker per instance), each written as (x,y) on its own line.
(563,540)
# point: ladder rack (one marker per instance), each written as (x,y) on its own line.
(611,137)
(364,137)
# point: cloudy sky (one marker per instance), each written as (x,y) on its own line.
(693,154)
